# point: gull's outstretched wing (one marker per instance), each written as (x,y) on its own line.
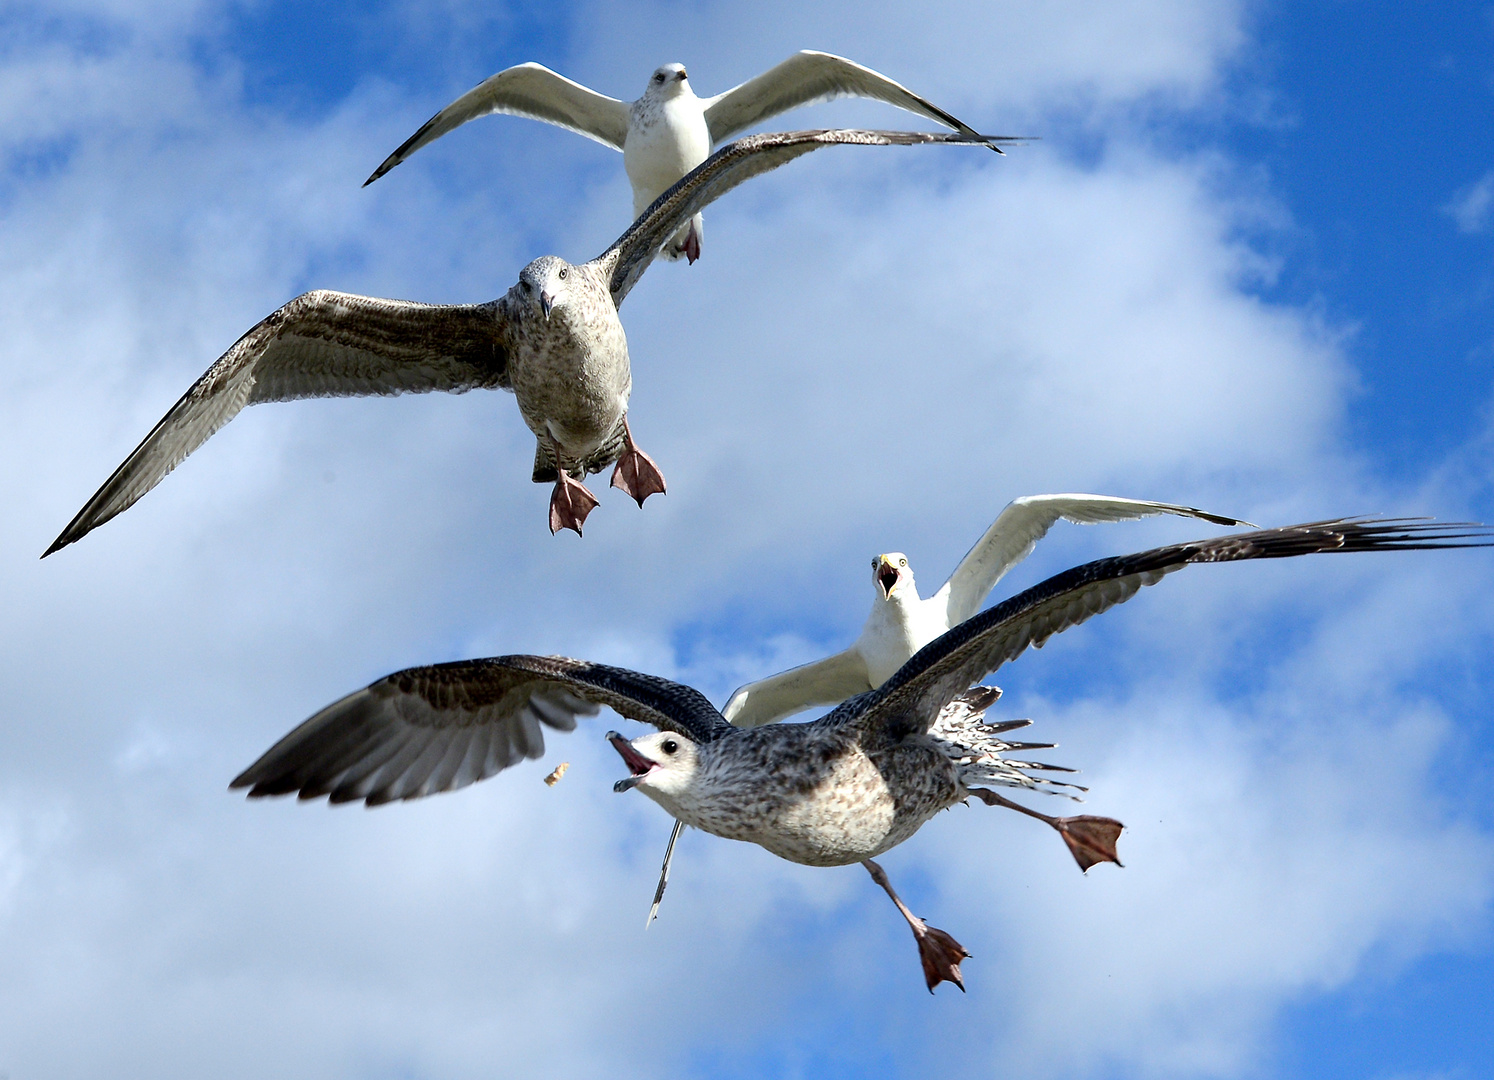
(430,729)
(724,170)
(321,344)
(808,77)
(975,648)
(1024,522)
(530,90)
(824,682)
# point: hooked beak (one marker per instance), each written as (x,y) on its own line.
(638,765)
(681,77)
(886,578)
(547,301)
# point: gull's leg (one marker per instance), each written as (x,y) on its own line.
(570,502)
(940,953)
(636,474)
(1091,839)
(679,827)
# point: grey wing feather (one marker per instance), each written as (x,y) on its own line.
(972,650)
(321,344)
(824,682)
(729,166)
(808,77)
(528,90)
(442,727)
(1024,522)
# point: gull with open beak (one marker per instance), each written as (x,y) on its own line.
(901,622)
(839,790)
(554,340)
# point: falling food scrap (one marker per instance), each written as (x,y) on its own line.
(554,777)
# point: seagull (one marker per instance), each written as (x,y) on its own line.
(669,131)
(839,790)
(901,622)
(554,340)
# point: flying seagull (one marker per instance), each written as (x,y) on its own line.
(835,791)
(901,622)
(554,340)
(669,131)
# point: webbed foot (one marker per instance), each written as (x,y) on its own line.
(1090,839)
(636,474)
(569,503)
(939,953)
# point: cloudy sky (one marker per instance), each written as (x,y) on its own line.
(1248,267)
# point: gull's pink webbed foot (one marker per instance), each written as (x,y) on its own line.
(636,474)
(939,953)
(1090,839)
(691,246)
(569,503)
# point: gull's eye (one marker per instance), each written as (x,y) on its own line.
(902,562)
(669,746)
(659,77)
(563,272)
(875,562)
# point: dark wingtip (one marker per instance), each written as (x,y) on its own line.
(62,541)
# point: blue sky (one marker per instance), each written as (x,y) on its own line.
(1248,267)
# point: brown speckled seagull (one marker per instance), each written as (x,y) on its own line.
(838,790)
(554,340)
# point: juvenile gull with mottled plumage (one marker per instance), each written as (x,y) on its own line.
(839,790)
(554,340)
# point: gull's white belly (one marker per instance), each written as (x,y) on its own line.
(663,147)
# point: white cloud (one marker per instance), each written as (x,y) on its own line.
(879,349)
(1470,207)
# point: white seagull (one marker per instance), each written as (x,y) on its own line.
(669,131)
(901,622)
(840,790)
(554,340)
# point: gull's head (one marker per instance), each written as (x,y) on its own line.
(667,82)
(892,574)
(544,283)
(661,764)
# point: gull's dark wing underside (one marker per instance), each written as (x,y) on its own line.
(974,649)
(437,728)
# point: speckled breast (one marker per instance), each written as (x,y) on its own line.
(574,385)
(824,801)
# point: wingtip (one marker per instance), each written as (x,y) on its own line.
(57,545)
(388,163)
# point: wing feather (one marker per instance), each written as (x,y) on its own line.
(321,344)
(1024,522)
(808,77)
(729,166)
(824,682)
(979,646)
(528,90)
(430,729)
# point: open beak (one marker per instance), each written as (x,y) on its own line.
(638,765)
(886,579)
(547,301)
